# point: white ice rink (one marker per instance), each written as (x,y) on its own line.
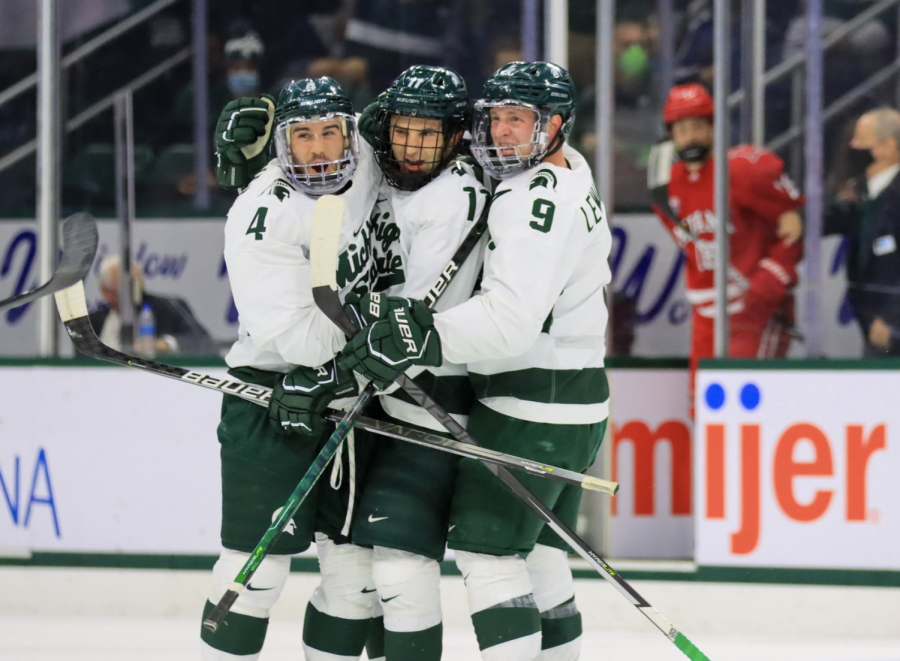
(144,615)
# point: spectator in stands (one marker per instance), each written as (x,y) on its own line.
(867,212)
(177,330)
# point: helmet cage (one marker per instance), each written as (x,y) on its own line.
(491,158)
(437,159)
(319,178)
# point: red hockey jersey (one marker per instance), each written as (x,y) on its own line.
(762,267)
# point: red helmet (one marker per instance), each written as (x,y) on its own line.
(690,100)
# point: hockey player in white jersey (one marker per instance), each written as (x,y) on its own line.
(534,344)
(285,342)
(417,127)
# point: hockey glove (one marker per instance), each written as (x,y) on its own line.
(365,310)
(299,398)
(384,350)
(243,135)
(368,124)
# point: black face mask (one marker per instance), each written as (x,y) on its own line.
(694,153)
(859,160)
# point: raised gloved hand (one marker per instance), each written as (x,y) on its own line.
(299,398)
(243,135)
(368,124)
(384,350)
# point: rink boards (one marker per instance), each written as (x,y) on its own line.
(793,472)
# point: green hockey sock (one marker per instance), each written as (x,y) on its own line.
(238,634)
(334,635)
(501,624)
(560,625)
(424,645)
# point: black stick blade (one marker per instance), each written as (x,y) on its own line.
(79,247)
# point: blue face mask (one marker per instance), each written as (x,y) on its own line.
(243,83)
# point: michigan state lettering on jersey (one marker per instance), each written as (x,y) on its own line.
(388,262)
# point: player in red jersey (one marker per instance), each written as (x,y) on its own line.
(765,229)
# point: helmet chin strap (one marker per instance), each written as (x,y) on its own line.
(556,145)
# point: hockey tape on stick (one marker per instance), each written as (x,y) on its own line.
(79,246)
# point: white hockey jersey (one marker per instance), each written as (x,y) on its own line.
(267,238)
(423,229)
(534,337)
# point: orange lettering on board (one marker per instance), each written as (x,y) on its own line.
(715,471)
(786,469)
(746,539)
(859,451)
(644,442)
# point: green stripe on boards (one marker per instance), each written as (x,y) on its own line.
(535,384)
(375,640)
(494,626)
(238,634)
(334,635)
(414,645)
(559,632)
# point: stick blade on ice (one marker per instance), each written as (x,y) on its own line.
(79,244)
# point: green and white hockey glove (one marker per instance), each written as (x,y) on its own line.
(243,135)
(384,350)
(299,398)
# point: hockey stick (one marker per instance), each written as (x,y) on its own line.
(87,342)
(79,239)
(73,310)
(325,238)
(326,297)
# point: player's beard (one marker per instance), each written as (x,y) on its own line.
(694,153)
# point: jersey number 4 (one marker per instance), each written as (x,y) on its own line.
(258,224)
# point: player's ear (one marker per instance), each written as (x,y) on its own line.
(555,123)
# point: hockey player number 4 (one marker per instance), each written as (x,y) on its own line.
(258,224)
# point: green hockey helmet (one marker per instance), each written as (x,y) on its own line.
(421,118)
(542,88)
(316,136)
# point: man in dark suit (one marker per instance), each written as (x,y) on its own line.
(869,215)
(177,330)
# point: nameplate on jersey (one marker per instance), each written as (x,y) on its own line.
(884,245)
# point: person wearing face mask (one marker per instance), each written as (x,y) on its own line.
(868,214)
(764,225)
(242,57)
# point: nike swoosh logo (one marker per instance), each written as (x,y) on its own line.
(450,528)
(389,598)
(373,519)
(253,589)
(365,591)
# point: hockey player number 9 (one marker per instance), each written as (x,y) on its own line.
(544,210)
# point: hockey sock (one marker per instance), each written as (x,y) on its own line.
(554,594)
(330,638)
(243,631)
(504,614)
(409,590)
(340,610)
(239,636)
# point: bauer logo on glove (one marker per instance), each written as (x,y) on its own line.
(384,350)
